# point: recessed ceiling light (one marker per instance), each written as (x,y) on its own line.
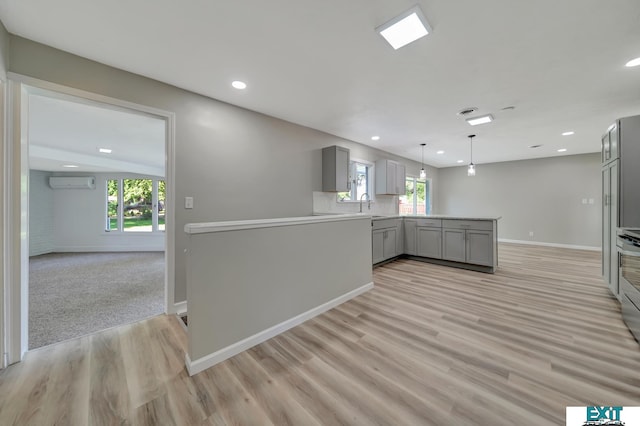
(440,152)
(460,161)
(69,166)
(633,63)
(480,120)
(240,85)
(569,133)
(105,150)
(562,150)
(405,28)
(375,138)
(535,146)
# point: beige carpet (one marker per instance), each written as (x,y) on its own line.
(74,294)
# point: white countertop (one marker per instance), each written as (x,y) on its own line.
(439,216)
(232,225)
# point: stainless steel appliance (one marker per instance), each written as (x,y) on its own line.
(628,243)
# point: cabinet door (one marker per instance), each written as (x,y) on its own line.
(389,247)
(399,237)
(606,148)
(335,169)
(377,238)
(392,170)
(453,247)
(479,247)
(410,236)
(430,242)
(401,177)
(613,143)
(613,228)
(606,226)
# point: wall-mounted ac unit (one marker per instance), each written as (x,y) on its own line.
(66,182)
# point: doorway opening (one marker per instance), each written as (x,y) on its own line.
(95,254)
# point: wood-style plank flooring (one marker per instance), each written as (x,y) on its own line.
(429,345)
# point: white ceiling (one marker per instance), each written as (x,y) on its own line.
(322,65)
(71,132)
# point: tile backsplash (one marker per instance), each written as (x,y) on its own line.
(327,202)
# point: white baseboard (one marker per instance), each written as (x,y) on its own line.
(88,249)
(200,364)
(539,243)
(180,307)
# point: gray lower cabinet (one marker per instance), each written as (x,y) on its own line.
(410,226)
(429,242)
(453,247)
(479,247)
(384,244)
(462,244)
(456,240)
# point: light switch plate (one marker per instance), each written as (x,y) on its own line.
(188,202)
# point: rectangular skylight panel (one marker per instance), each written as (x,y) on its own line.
(480,120)
(404,29)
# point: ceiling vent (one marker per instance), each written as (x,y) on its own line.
(467,111)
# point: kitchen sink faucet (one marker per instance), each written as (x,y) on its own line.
(368,199)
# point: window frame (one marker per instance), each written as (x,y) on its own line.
(353,170)
(155,216)
(428,194)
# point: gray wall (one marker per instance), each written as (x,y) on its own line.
(543,195)
(237,164)
(41,213)
(4,51)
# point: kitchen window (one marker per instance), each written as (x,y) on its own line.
(361,174)
(135,205)
(417,197)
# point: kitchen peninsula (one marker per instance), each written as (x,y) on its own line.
(463,242)
(250,280)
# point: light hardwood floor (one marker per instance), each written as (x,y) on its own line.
(428,345)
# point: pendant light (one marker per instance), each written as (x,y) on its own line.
(471,171)
(423,173)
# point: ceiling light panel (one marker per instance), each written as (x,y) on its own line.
(569,133)
(483,119)
(240,85)
(105,150)
(633,63)
(405,28)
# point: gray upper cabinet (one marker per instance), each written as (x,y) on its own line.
(335,169)
(390,177)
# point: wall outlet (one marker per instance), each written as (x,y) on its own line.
(584,201)
(591,200)
(531,233)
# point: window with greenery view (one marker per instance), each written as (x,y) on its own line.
(361,181)
(417,197)
(135,205)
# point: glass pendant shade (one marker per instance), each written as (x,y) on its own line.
(423,173)
(471,171)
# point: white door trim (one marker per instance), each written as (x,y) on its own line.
(16,198)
